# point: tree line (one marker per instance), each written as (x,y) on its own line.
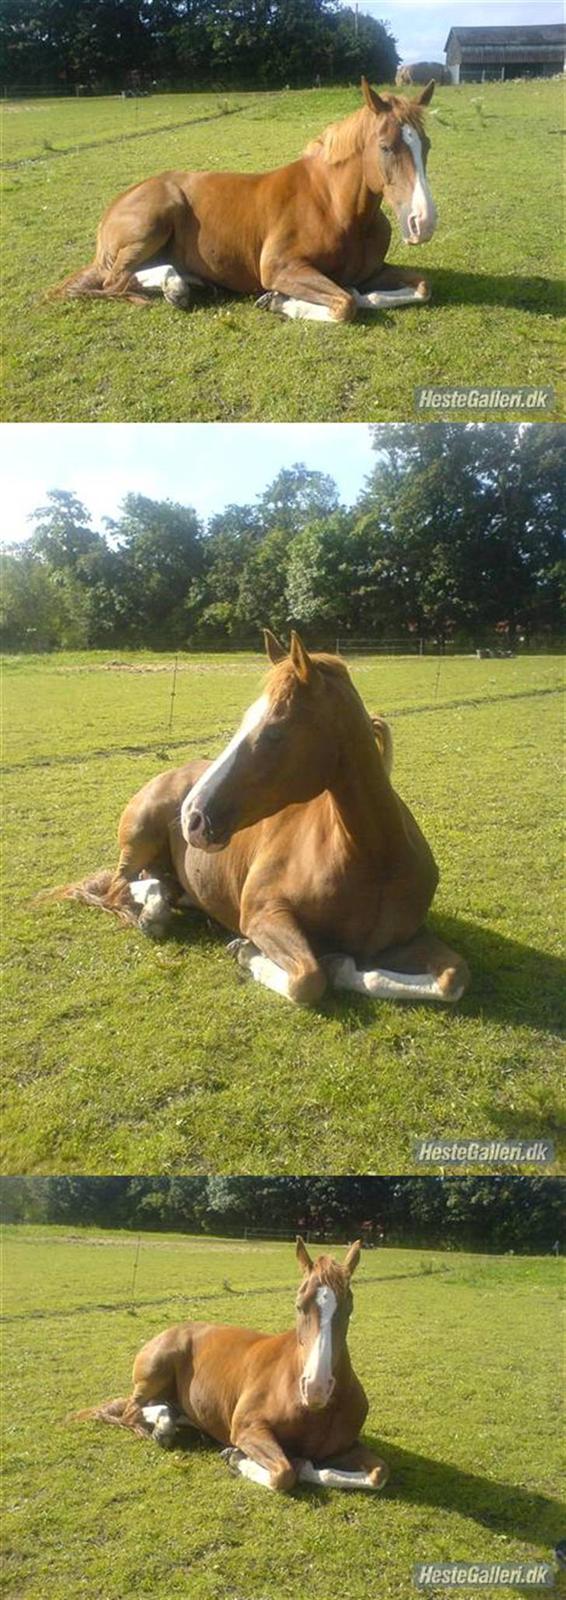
(456,539)
(479,1213)
(106,45)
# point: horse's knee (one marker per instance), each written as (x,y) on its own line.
(308,988)
(343,307)
(283,1479)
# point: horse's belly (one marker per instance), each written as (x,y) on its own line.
(221,230)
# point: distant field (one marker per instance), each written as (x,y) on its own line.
(494,262)
(127,1057)
(443,1344)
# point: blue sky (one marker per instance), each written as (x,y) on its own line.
(421,29)
(206,465)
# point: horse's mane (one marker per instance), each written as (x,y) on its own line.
(340,140)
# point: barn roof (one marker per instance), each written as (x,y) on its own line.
(545,34)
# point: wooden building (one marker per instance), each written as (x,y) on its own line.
(476,55)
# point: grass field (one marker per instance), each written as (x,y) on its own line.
(124,1056)
(443,1344)
(494,262)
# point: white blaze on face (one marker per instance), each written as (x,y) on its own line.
(252,718)
(317,1370)
(422,211)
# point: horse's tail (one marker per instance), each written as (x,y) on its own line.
(104,889)
(106,1411)
(112,1411)
(92,283)
(88,281)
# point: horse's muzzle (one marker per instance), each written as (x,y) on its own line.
(315,1397)
(417,228)
(199,831)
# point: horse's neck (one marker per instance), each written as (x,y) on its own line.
(348,189)
(365,805)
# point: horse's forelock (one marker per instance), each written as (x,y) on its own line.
(329,1272)
(281,679)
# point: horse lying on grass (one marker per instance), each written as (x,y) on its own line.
(310,234)
(287,1407)
(295,841)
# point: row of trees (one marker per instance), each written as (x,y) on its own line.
(499,1213)
(457,533)
(192,44)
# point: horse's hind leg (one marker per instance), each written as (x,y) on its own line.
(423,969)
(143,864)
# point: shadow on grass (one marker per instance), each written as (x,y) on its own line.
(419,1480)
(497,289)
(499,1507)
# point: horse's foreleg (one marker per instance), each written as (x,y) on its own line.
(423,969)
(278,955)
(390,287)
(298,290)
(358,1468)
(255,1453)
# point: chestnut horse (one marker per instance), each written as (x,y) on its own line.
(310,234)
(280,1403)
(295,840)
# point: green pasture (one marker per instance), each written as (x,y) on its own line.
(494,263)
(459,1356)
(125,1056)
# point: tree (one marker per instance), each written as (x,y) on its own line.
(160,555)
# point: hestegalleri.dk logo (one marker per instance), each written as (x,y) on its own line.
(486,397)
(483,1575)
(483,1152)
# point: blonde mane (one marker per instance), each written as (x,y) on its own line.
(341,140)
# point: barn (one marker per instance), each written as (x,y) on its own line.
(476,55)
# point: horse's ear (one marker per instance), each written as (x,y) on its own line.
(275,651)
(353,1257)
(300,658)
(425,96)
(373,100)
(302,1254)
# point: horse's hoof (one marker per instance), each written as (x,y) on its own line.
(272,301)
(177,291)
(242,950)
(232,1456)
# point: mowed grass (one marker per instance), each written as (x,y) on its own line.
(494,264)
(125,1056)
(464,1415)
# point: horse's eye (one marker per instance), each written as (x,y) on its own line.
(386,149)
(272,732)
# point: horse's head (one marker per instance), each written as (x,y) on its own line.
(395,158)
(324,1308)
(283,753)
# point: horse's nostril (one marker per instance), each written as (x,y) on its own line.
(196,820)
